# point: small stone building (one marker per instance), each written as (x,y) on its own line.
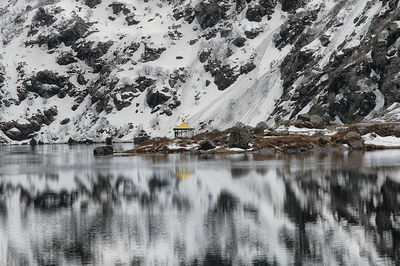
(184,131)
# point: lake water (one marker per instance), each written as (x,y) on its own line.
(59,205)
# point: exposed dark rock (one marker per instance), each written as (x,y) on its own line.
(204,56)
(33,142)
(316,121)
(247,68)
(41,18)
(224,75)
(291,5)
(257,11)
(225,32)
(239,138)
(262,125)
(156,98)
(121,103)
(92,3)
(292,29)
(81,79)
(68,35)
(66,59)
(143,83)
(104,150)
(86,52)
(209,14)
(352,135)
(131,20)
(239,41)
(152,54)
(253,33)
(118,7)
(131,49)
(304,117)
(324,40)
(356,144)
(141,137)
(318,134)
(109,141)
(19,132)
(187,13)
(65,121)
(46,83)
(71,141)
(206,145)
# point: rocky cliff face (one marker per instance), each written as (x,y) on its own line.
(97,68)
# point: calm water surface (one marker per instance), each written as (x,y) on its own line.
(61,206)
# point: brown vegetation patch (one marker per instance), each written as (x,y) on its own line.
(288,142)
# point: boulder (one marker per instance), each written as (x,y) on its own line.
(239,41)
(156,98)
(262,125)
(103,150)
(65,121)
(303,117)
(239,138)
(253,33)
(352,135)
(356,144)
(206,145)
(208,14)
(316,121)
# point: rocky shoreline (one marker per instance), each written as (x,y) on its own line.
(289,139)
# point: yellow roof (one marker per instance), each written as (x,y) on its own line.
(184,125)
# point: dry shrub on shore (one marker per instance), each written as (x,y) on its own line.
(282,142)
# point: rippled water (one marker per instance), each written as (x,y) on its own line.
(61,206)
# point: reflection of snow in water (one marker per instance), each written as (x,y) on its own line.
(239,209)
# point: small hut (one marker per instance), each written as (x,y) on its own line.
(184,131)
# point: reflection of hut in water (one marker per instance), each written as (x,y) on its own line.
(183,172)
(184,131)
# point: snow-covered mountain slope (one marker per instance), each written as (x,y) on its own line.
(97,68)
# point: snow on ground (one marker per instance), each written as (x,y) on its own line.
(389,141)
(310,131)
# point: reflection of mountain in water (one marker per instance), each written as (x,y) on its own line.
(290,210)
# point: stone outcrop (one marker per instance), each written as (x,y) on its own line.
(209,14)
(239,138)
(206,145)
(156,98)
